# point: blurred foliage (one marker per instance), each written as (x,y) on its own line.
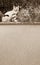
(30,14)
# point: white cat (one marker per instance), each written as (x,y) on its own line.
(11,14)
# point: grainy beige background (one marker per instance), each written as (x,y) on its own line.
(19,45)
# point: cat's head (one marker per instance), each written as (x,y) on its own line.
(16,8)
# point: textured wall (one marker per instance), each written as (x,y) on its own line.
(19,45)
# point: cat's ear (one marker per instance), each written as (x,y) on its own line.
(18,6)
(13,6)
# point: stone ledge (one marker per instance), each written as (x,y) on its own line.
(23,23)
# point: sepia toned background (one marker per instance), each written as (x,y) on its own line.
(19,45)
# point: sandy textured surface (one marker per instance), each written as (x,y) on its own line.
(19,45)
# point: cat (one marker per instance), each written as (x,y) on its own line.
(11,15)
